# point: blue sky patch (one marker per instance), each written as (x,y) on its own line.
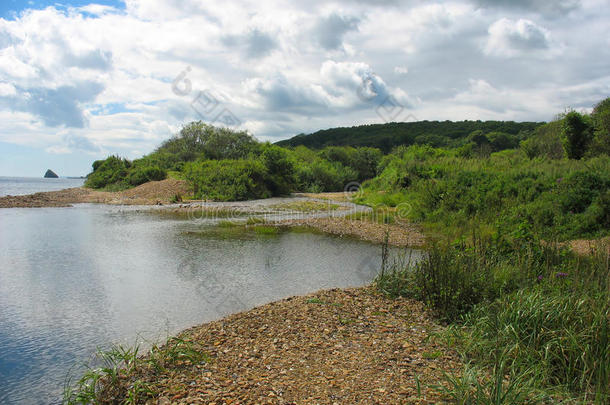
(11,8)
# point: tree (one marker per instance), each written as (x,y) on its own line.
(280,176)
(546,141)
(500,141)
(576,134)
(600,118)
(198,139)
(110,171)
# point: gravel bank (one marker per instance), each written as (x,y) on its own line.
(337,346)
(151,193)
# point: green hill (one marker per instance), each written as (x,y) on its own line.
(387,136)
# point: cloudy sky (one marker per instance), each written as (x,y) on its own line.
(79,81)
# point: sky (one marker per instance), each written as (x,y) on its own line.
(81,80)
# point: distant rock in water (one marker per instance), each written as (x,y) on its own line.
(50,174)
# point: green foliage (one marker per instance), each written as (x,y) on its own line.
(139,175)
(474,387)
(531,311)
(271,170)
(546,141)
(564,334)
(113,373)
(280,179)
(363,161)
(322,175)
(600,118)
(453,279)
(111,171)
(551,198)
(436,179)
(501,141)
(434,140)
(228,180)
(198,140)
(576,134)
(387,136)
(115,173)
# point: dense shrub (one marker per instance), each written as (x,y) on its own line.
(280,178)
(363,161)
(322,175)
(142,174)
(228,180)
(107,172)
(200,140)
(576,135)
(546,141)
(600,118)
(541,312)
(555,199)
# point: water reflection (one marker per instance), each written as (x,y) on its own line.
(72,279)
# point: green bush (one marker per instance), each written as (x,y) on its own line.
(546,141)
(555,198)
(576,135)
(139,175)
(322,175)
(542,313)
(111,171)
(452,279)
(600,118)
(228,180)
(280,178)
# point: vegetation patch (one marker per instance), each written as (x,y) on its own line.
(266,230)
(539,314)
(124,372)
(307,206)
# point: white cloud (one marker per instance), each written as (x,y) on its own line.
(7,89)
(100,78)
(508,38)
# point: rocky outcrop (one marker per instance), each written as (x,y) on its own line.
(50,174)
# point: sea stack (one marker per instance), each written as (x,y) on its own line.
(50,174)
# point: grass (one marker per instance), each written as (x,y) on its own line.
(380,215)
(266,230)
(475,386)
(306,206)
(111,372)
(431,355)
(532,321)
(176,175)
(255,221)
(506,193)
(227,224)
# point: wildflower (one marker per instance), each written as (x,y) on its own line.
(540,278)
(560,274)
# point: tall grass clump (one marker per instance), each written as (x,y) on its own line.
(123,374)
(454,277)
(534,315)
(559,328)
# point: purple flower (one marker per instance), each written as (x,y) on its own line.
(560,274)
(540,278)
(559,180)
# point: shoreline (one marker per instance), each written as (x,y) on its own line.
(151,193)
(349,345)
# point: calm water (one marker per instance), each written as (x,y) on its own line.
(72,279)
(29,185)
